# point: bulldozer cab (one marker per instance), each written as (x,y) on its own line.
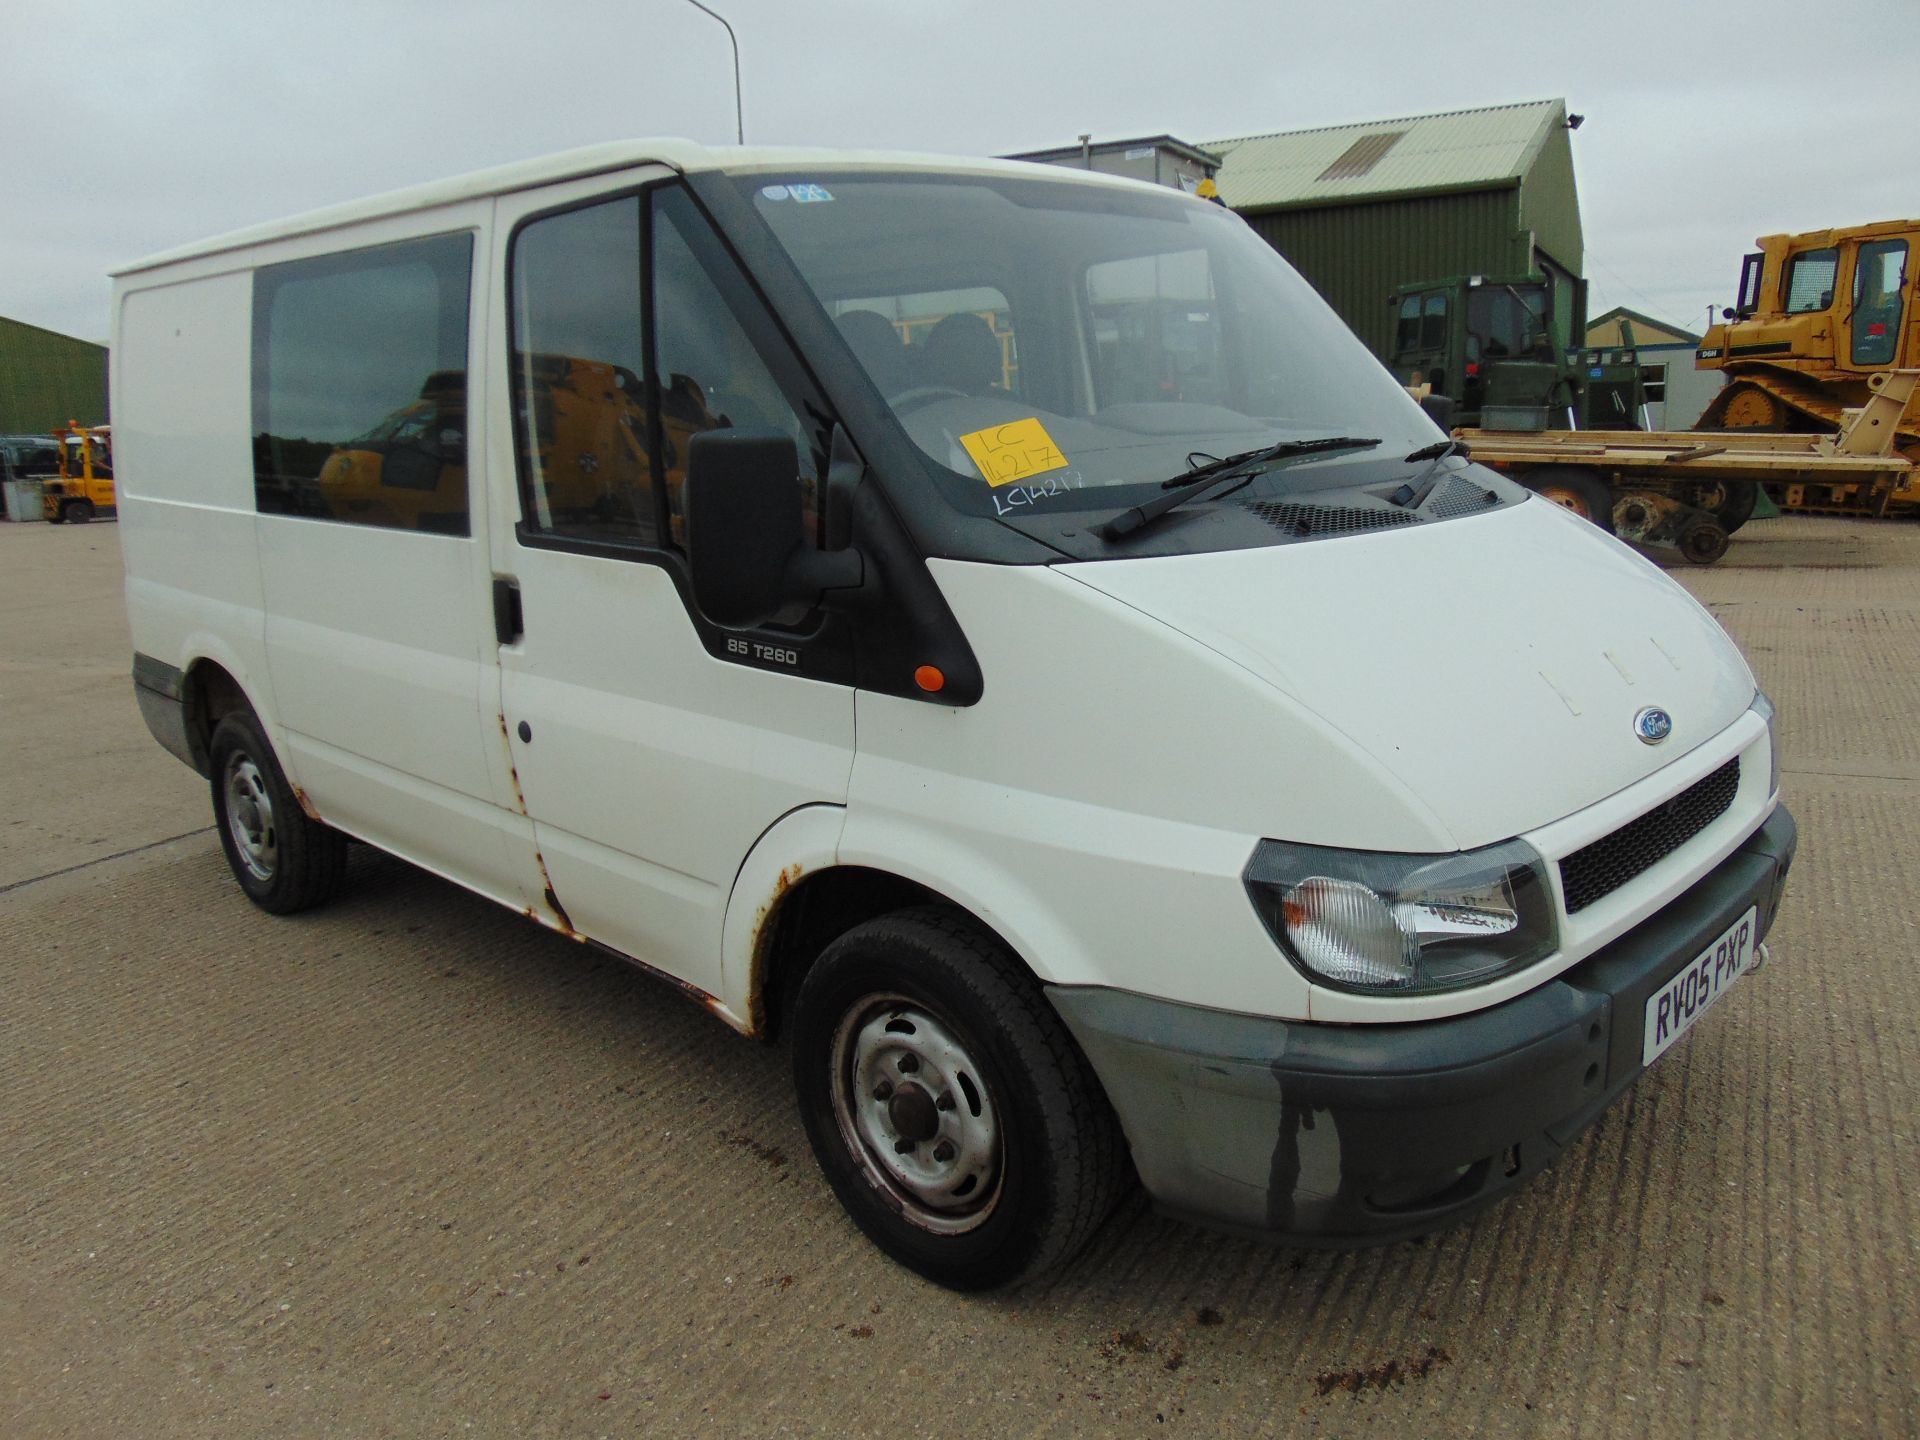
(1488,343)
(1832,303)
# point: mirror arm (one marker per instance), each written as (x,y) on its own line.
(811,574)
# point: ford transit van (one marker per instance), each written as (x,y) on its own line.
(992,628)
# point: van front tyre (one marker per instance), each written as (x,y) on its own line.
(282,859)
(948,1107)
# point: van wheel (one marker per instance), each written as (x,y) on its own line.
(283,860)
(76,512)
(1575,489)
(950,1110)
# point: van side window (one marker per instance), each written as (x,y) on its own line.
(580,403)
(360,386)
(706,371)
(602,433)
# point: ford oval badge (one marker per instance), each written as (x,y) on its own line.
(1652,725)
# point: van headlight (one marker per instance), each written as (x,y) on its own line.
(1373,922)
(1763,707)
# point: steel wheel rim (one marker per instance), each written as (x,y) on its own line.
(256,840)
(1567,500)
(914,1108)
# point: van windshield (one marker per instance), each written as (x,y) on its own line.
(1041,338)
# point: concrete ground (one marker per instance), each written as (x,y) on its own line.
(411,1166)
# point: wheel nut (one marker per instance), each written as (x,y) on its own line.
(883,1090)
(943,1152)
(909,1064)
(945,1102)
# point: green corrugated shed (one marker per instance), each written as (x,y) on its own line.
(47,379)
(1360,209)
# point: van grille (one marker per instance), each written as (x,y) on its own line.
(1297,519)
(1597,870)
(1460,497)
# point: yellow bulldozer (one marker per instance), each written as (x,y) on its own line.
(1819,316)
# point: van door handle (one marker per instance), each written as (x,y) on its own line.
(508,624)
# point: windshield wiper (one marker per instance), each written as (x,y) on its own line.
(1193,486)
(1440,449)
(1414,492)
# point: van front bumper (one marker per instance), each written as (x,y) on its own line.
(1357,1134)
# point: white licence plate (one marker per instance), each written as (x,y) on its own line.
(1675,1006)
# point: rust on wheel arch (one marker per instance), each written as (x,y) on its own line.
(766,926)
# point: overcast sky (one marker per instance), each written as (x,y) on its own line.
(131,126)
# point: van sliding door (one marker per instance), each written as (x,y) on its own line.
(373,555)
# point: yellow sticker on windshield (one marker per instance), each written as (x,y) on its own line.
(1006,453)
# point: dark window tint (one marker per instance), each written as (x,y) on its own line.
(1879,276)
(709,375)
(1406,334)
(1810,280)
(1423,323)
(603,433)
(1748,300)
(1506,322)
(359,386)
(578,361)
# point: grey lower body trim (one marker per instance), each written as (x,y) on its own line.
(1354,1134)
(160,691)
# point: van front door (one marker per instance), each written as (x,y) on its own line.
(651,753)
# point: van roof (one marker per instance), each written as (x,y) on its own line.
(683,156)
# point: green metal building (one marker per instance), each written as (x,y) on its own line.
(1360,209)
(47,379)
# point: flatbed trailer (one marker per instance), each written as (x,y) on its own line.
(1693,488)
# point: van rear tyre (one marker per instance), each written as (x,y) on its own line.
(284,861)
(953,1115)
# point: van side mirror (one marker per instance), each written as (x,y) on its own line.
(746,537)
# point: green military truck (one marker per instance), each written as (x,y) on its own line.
(1491,345)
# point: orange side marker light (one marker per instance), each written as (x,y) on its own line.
(929,679)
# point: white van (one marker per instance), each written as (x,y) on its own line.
(991,626)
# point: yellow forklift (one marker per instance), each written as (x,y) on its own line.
(84,486)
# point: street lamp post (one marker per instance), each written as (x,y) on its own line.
(739,123)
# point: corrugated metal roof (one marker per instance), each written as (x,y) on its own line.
(1458,149)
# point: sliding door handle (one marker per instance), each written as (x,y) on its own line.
(508,623)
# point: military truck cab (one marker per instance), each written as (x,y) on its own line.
(1489,344)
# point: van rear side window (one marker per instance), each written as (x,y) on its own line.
(360,386)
